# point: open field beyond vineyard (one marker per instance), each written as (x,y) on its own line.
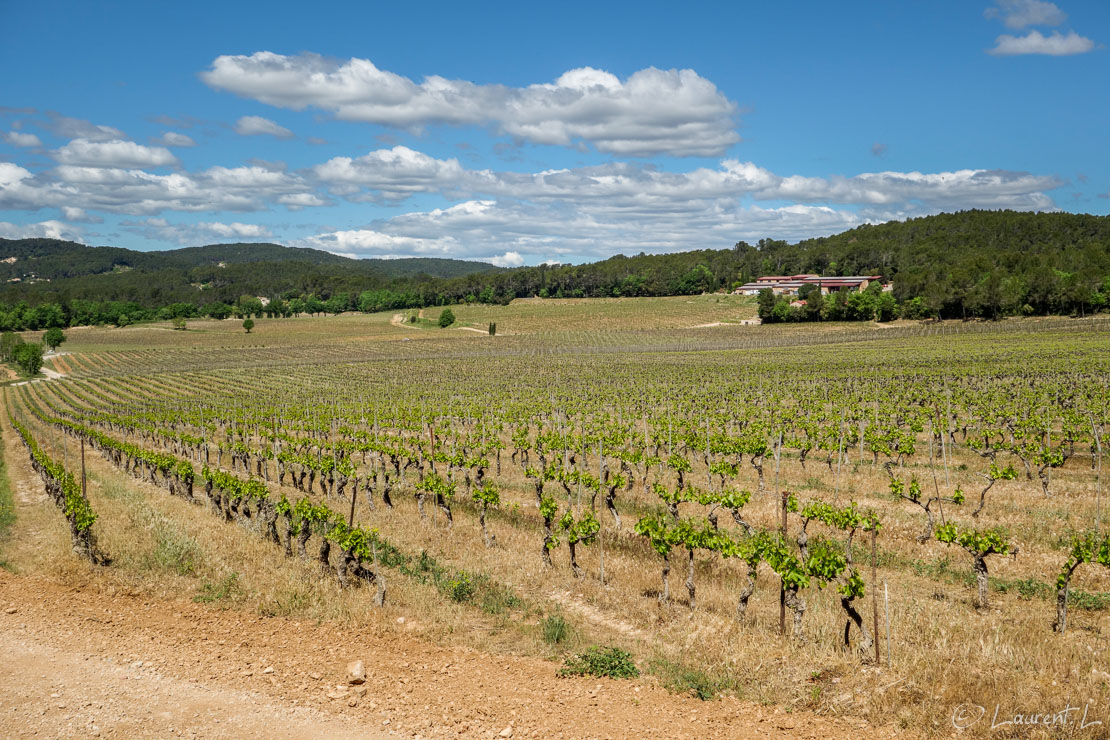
(614,438)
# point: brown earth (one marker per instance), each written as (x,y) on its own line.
(79,662)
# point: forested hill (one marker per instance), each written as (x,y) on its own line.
(965,264)
(53,259)
(986,255)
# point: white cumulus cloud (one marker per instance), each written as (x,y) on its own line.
(79,215)
(192,234)
(939,190)
(509,259)
(43,230)
(66,127)
(1055,44)
(652,112)
(390,174)
(138,192)
(234,229)
(257,125)
(19,138)
(12,174)
(297,201)
(115,153)
(482,230)
(372,243)
(173,138)
(393,174)
(1018,14)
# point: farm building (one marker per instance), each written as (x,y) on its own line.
(791,284)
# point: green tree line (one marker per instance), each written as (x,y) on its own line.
(970,264)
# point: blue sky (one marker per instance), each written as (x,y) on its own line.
(517,134)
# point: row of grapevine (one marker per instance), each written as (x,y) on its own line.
(62,486)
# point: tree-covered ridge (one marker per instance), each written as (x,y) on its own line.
(971,263)
(959,265)
(54,259)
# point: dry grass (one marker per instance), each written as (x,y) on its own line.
(168,548)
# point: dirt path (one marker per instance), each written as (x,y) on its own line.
(49,373)
(51,689)
(72,662)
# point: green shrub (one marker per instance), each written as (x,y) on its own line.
(461,587)
(697,683)
(555,629)
(1027,588)
(177,551)
(446,318)
(611,662)
(683,679)
(211,593)
(1089,601)
(494,597)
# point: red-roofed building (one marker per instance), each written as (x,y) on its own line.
(791,284)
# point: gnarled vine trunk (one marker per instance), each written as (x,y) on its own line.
(486,538)
(797,605)
(574,560)
(981,580)
(866,643)
(302,540)
(690,588)
(548,541)
(1061,623)
(611,505)
(666,595)
(747,591)
(325,551)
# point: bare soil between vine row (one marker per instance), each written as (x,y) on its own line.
(83,662)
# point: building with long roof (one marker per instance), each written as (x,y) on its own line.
(791,284)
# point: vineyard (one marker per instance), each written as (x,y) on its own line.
(877,522)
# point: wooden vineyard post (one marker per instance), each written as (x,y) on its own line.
(860,435)
(782,586)
(601,531)
(944,440)
(432,459)
(932,467)
(708,472)
(886,610)
(354,495)
(778,452)
(379,580)
(875,588)
(1098,476)
(84,489)
(839,456)
(274,428)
